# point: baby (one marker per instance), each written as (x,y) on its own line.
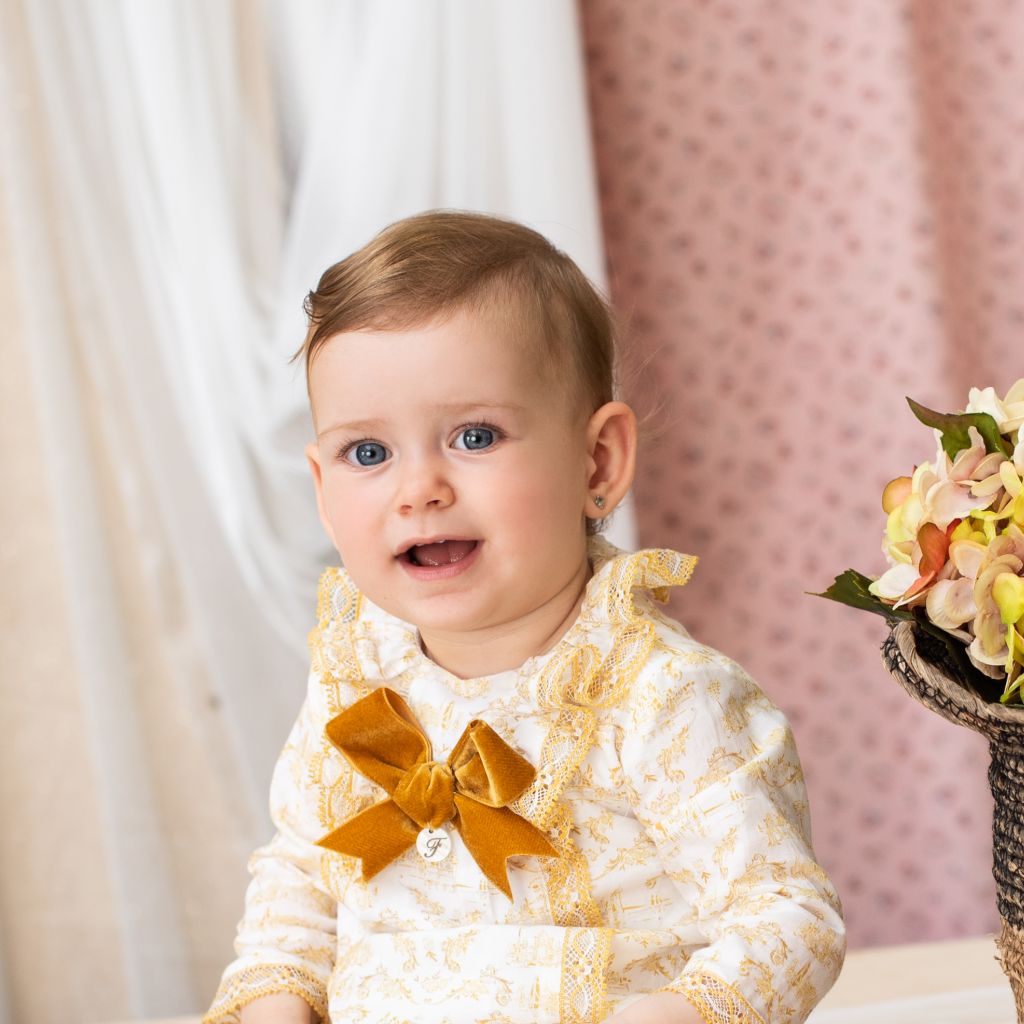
(516,791)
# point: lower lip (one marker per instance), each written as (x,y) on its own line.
(441,572)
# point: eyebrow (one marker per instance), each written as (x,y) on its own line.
(371,424)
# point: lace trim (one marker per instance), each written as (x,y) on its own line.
(334,662)
(563,686)
(568,880)
(577,682)
(585,956)
(580,681)
(243,987)
(657,569)
(331,650)
(715,1000)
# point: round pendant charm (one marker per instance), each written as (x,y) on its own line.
(433,844)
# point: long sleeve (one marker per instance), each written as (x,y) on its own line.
(718,787)
(286,939)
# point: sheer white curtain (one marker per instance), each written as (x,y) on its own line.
(176,174)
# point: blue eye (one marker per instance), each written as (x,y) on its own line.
(475,439)
(366,453)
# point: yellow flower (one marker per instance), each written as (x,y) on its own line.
(998,589)
(1008,594)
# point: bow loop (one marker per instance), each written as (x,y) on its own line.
(381,739)
(487,768)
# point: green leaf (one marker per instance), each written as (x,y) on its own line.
(851,588)
(953,427)
(1013,691)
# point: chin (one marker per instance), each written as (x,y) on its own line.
(450,615)
(444,623)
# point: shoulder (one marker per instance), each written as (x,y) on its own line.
(696,721)
(681,672)
(691,697)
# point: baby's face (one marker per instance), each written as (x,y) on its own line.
(451,472)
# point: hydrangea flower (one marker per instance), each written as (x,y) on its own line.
(936,499)
(954,535)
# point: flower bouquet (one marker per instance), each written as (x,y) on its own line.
(953,596)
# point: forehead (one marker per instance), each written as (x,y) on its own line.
(466,359)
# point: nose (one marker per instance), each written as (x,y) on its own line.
(423,485)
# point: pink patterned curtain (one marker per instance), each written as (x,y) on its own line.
(811,211)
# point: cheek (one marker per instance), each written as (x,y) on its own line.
(348,508)
(544,497)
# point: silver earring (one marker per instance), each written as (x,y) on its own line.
(599,501)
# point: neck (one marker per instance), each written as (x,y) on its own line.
(500,648)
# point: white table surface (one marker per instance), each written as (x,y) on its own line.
(955,982)
(969,1006)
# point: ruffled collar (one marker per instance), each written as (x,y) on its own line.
(384,647)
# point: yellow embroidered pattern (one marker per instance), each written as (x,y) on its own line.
(238,990)
(717,1002)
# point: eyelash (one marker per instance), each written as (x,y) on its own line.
(499,435)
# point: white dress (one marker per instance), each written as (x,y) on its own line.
(666,779)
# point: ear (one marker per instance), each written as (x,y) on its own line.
(313,457)
(611,457)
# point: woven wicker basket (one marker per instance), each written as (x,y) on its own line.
(925,670)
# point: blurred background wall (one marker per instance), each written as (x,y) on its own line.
(805,212)
(812,211)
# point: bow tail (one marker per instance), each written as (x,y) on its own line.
(493,834)
(376,836)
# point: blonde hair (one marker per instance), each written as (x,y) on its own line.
(432,265)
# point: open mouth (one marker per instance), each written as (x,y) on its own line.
(437,553)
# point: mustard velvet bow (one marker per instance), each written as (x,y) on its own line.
(381,739)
